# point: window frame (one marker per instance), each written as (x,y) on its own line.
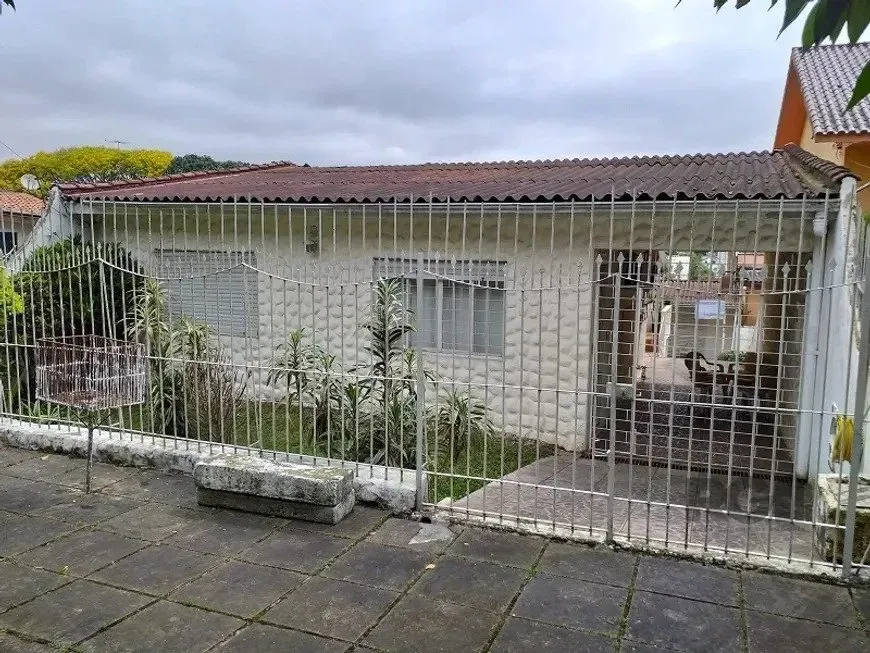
(493,280)
(250,300)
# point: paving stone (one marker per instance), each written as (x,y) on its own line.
(572,602)
(598,565)
(19,584)
(11,644)
(628,646)
(297,550)
(430,538)
(224,532)
(471,582)
(158,569)
(13,455)
(420,625)
(81,553)
(87,509)
(22,532)
(34,496)
(688,580)
(173,488)
(799,598)
(683,624)
(257,637)
(45,467)
(501,548)
(357,524)
(332,608)
(769,632)
(73,612)
(165,626)
(239,588)
(102,476)
(8,483)
(861,598)
(379,566)
(152,522)
(524,636)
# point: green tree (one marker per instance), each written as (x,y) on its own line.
(199,163)
(825,20)
(699,269)
(11,302)
(86,163)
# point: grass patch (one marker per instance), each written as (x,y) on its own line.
(277,427)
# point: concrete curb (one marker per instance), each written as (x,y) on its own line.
(390,488)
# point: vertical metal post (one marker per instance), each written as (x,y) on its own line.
(614,376)
(858,434)
(421,391)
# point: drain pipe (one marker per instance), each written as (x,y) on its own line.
(811,397)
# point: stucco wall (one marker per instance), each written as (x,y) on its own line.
(824,150)
(541,383)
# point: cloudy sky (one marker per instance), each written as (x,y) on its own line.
(383,81)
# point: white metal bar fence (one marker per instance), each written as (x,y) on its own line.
(640,372)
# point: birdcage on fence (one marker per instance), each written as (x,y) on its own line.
(90,372)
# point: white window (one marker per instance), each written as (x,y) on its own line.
(463,303)
(212,287)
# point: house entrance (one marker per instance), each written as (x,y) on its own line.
(697,360)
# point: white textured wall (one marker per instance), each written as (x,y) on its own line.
(541,382)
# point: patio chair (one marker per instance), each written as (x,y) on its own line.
(703,378)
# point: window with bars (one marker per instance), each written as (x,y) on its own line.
(212,287)
(463,303)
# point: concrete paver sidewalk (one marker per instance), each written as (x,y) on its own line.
(138,566)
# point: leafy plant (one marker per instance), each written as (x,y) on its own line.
(825,20)
(295,362)
(733,355)
(66,289)
(11,302)
(456,419)
(387,326)
(195,390)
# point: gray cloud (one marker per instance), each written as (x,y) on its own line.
(377,81)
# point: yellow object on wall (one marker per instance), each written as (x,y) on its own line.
(841,448)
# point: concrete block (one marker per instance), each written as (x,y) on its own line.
(832,496)
(276,507)
(390,488)
(320,486)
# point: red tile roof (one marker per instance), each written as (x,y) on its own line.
(20,203)
(827,74)
(787,173)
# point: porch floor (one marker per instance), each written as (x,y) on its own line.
(706,511)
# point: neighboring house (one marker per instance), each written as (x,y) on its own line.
(527,267)
(818,87)
(18,213)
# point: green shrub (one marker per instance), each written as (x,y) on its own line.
(65,290)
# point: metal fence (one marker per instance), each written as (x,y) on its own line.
(663,374)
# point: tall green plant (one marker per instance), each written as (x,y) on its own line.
(388,324)
(294,363)
(195,390)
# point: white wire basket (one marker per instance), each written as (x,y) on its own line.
(90,372)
